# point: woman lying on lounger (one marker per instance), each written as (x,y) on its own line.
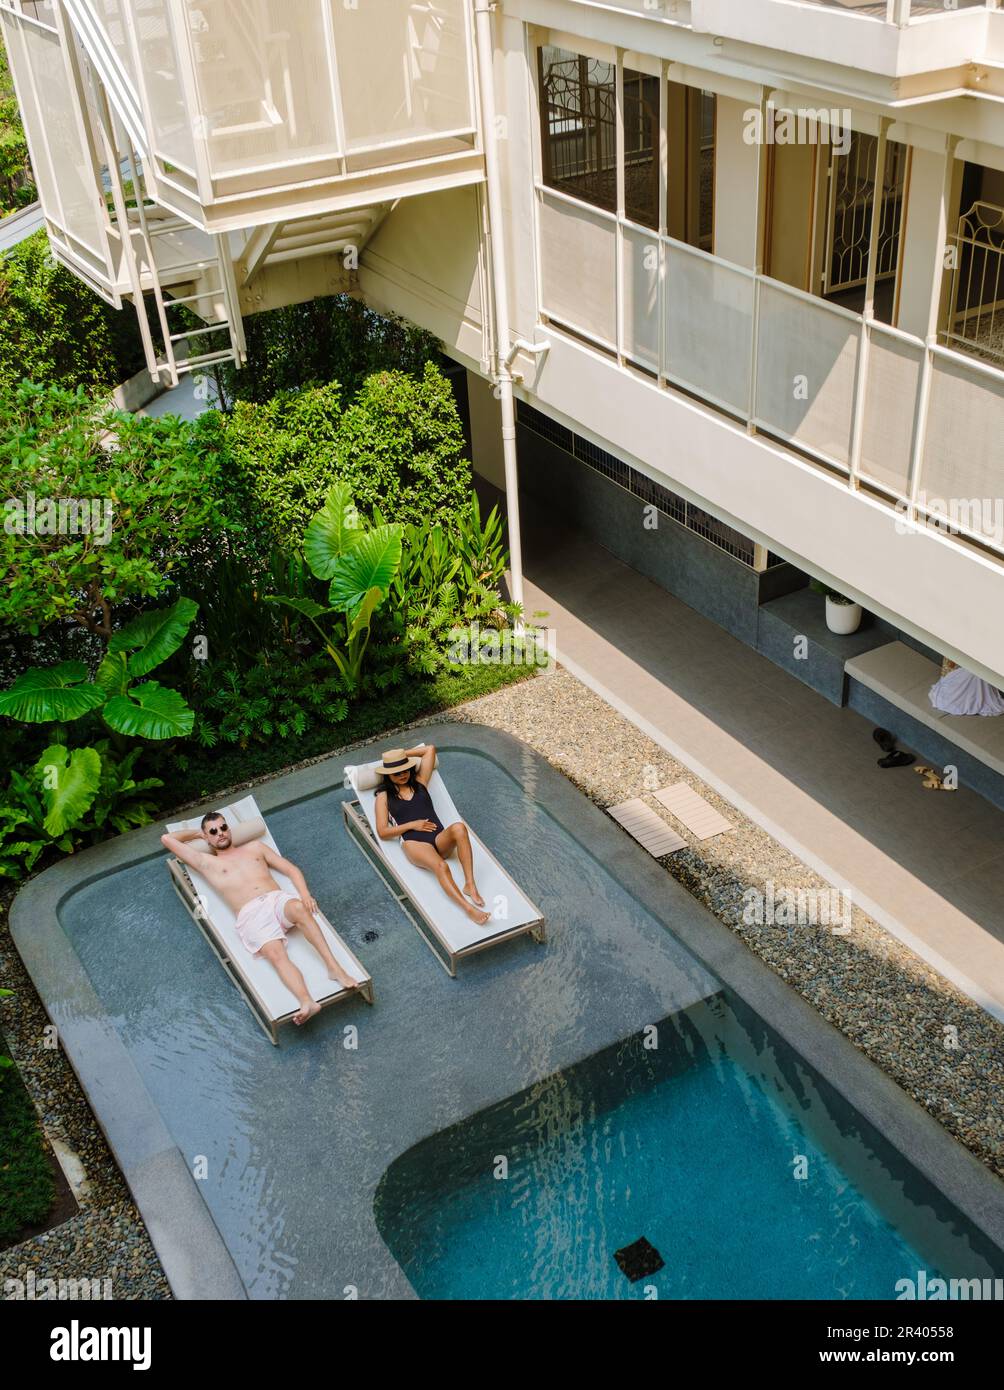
(404,808)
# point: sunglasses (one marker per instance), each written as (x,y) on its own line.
(216,829)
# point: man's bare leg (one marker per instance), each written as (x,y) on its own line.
(301,917)
(458,837)
(275,953)
(427,857)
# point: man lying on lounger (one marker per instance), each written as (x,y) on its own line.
(265,913)
(404,808)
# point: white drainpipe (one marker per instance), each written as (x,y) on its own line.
(501,348)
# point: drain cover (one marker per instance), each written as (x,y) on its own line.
(639,1259)
(371,935)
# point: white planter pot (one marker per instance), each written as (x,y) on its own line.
(842,617)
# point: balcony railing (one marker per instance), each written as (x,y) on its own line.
(903,11)
(911,421)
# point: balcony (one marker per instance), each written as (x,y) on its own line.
(907,421)
(892,38)
(244,109)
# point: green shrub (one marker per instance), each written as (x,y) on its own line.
(400,447)
(333,339)
(54,329)
(156,492)
(283,457)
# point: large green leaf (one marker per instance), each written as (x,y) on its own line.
(371,564)
(113,674)
(149,710)
(69,784)
(47,693)
(153,637)
(333,532)
(364,614)
(304,606)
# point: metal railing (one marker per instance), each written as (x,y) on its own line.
(903,11)
(909,420)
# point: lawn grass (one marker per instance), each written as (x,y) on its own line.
(205,772)
(27,1190)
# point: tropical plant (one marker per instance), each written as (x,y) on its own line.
(447,580)
(148,710)
(359,563)
(70,796)
(279,696)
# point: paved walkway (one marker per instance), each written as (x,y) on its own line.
(928,866)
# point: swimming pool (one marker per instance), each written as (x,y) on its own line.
(746,1175)
(289,1172)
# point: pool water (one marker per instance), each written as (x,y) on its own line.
(314,1157)
(706,1137)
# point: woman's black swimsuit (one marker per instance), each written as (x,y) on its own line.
(418,807)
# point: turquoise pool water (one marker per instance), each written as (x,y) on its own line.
(705,1136)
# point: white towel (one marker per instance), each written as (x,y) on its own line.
(960,692)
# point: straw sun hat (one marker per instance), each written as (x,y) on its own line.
(396,760)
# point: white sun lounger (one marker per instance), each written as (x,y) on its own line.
(445,927)
(265,994)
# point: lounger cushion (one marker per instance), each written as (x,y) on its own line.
(240,834)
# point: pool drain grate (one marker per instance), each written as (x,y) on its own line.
(639,1259)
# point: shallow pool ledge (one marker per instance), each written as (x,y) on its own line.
(196,1260)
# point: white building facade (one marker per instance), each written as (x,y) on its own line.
(740,259)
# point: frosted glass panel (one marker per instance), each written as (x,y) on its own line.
(69,196)
(640,255)
(172,121)
(402,68)
(963,456)
(578,268)
(805,372)
(709,327)
(263,74)
(894,369)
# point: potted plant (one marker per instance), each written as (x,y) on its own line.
(843,615)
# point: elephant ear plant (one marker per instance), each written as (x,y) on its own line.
(70,791)
(360,563)
(62,693)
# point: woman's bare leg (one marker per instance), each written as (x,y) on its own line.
(427,857)
(457,836)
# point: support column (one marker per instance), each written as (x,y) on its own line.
(500,289)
